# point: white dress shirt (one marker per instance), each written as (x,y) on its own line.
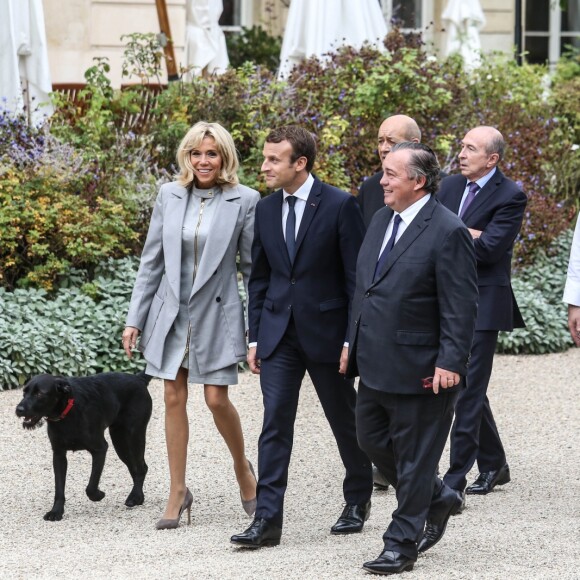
(481,182)
(301,195)
(572,289)
(407,216)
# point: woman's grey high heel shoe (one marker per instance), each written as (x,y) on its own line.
(172,524)
(249,505)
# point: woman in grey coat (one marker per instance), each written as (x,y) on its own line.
(186,306)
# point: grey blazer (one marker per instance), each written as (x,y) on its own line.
(218,334)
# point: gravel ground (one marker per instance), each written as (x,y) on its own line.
(526,529)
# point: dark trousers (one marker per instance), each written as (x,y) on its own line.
(404,436)
(281,376)
(474,435)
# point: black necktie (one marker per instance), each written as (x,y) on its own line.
(383,257)
(291,227)
(473,189)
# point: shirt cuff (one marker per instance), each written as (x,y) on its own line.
(252,344)
(572,292)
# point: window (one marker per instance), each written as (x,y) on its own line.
(549,29)
(408,14)
(236,13)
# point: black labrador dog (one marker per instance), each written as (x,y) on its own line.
(78,410)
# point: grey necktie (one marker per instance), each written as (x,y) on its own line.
(473,189)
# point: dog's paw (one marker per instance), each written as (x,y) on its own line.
(134,498)
(53,516)
(95,495)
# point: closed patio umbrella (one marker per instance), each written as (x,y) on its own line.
(24,68)
(205,42)
(463,20)
(315,27)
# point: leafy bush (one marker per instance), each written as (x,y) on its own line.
(254,45)
(538,290)
(76,331)
(64,204)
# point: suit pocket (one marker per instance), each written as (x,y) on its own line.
(333,304)
(151,321)
(417,338)
(268,304)
(234,314)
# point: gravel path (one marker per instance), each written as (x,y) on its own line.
(526,529)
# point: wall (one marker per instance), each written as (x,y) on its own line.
(78,30)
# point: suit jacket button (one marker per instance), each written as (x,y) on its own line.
(290,307)
(293,281)
(218,299)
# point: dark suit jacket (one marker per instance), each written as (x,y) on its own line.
(497,210)
(371,197)
(317,288)
(420,312)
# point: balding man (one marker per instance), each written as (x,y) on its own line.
(393,130)
(492,207)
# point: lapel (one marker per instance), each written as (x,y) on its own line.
(374,239)
(483,195)
(273,224)
(220,235)
(312,203)
(415,229)
(172,225)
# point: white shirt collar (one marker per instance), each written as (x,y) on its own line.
(304,190)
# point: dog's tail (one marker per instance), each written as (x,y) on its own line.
(144,377)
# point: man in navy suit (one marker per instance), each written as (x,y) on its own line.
(413,316)
(394,129)
(492,207)
(306,240)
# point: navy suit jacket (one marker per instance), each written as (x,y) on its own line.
(317,288)
(498,211)
(420,312)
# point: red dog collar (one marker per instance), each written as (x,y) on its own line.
(66,411)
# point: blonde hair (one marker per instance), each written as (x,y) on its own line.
(224,144)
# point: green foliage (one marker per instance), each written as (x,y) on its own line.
(142,57)
(538,290)
(75,331)
(254,45)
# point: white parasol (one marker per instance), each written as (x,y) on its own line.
(205,42)
(463,20)
(315,27)
(24,68)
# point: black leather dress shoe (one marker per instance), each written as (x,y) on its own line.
(260,533)
(352,519)
(389,562)
(380,482)
(488,480)
(436,525)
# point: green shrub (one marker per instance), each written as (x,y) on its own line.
(60,207)
(538,290)
(254,45)
(75,331)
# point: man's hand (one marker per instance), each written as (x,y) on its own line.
(445,379)
(475,233)
(574,323)
(343,360)
(253,362)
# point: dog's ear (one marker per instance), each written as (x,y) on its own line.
(62,386)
